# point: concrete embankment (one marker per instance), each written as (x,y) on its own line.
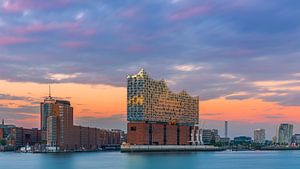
(279,148)
(168,148)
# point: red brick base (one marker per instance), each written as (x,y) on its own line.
(157,134)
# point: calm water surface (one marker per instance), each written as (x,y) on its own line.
(117,160)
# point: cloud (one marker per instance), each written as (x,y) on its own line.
(187,68)
(60,77)
(291,98)
(11,97)
(210,114)
(212,49)
(274,116)
(6,41)
(239,97)
(20,114)
(114,121)
(175,1)
(2,22)
(47,27)
(15,6)
(130,13)
(74,44)
(189,13)
(80,15)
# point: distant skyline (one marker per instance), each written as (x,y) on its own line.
(241,58)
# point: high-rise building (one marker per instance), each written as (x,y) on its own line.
(226,129)
(285,134)
(158,116)
(60,123)
(259,136)
(52,131)
(46,111)
(61,134)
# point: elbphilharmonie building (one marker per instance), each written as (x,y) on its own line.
(158,114)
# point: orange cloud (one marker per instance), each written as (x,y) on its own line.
(103,101)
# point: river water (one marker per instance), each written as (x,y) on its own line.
(117,160)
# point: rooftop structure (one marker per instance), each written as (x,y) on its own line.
(149,100)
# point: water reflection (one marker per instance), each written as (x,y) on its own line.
(117,160)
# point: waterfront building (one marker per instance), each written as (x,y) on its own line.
(158,116)
(274,140)
(52,131)
(123,135)
(5,129)
(206,136)
(242,140)
(152,101)
(1,134)
(56,121)
(224,141)
(19,137)
(259,136)
(209,136)
(46,109)
(62,134)
(296,139)
(285,133)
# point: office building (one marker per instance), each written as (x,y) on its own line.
(52,131)
(62,134)
(259,136)
(209,136)
(224,141)
(296,139)
(47,108)
(123,135)
(285,133)
(158,116)
(19,137)
(5,129)
(242,140)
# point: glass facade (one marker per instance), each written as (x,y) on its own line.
(46,110)
(152,101)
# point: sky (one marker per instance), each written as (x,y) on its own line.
(240,56)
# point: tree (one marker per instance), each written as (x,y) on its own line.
(3,142)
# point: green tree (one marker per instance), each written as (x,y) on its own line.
(3,142)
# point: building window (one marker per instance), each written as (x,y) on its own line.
(132,128)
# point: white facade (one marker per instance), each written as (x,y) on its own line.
(52,131)
(259,136)
(285,134)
